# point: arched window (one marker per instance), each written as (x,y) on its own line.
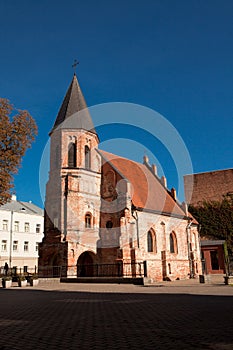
(172,247)
(109,224)
(72,155)
(87,158)
(88,220)
(149,242)
(173,243)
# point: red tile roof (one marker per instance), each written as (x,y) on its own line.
(148,192)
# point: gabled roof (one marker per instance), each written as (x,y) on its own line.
(148,192)
(22,207)
(74,105)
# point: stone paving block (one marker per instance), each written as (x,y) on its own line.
(185,315)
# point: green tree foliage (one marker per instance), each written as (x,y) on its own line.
(216,219)
(17,133)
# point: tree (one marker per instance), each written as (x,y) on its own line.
(216,219)
(17,133)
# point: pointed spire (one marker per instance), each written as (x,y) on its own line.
(74,102)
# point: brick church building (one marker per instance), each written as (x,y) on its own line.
(110,216)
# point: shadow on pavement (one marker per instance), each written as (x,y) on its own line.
(39,319)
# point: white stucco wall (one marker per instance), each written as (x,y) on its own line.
(20,257)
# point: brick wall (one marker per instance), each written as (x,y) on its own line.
(208,186)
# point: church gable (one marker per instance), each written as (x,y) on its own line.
(147,192)
(113,203)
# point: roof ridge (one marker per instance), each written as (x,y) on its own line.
(133,161)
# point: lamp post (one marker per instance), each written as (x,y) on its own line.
(11,234)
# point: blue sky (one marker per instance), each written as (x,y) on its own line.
(175,57)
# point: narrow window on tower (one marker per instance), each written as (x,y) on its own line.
(57,157)
(88,220)
(87,158)
(72,155)
(109,224)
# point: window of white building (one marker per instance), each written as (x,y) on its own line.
(5,225)
(26,246)
(26,227)
(37,246)
(15,245)
(16,226)
(37,228)
(4,245)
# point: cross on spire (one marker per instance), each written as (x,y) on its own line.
(74,65)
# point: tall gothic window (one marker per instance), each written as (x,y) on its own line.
(149,242)
(173,243)
(72,155)
(87,158)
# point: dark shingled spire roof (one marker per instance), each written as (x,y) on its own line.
(72,104)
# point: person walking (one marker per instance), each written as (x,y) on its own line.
(6,267)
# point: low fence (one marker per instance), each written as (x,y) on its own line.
(16,271)
(121,269)
(52,271)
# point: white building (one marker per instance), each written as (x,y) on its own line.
(21,231)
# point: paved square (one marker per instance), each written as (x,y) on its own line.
(170,315)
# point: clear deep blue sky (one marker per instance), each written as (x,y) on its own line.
(175,57)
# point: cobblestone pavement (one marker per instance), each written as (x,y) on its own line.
(168,315)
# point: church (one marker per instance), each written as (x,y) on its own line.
(108,216)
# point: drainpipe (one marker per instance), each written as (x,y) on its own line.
(11,233)
(135,216)
(188,245)
(203,264)
(65,207)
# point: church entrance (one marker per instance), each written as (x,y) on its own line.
(85,265)
(54,263)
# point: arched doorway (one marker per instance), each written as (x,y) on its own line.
(85,265)
(55,268)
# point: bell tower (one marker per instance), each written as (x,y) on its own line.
(72,205)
